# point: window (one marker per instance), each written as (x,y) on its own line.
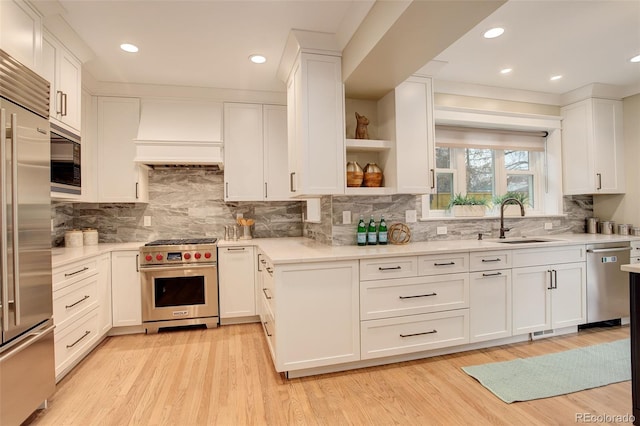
(486,164)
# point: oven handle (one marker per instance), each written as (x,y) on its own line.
(177,267)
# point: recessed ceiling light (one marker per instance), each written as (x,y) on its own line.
(505,71)
(555,77)
(257,59)
(635,59)
(494,32)
(131,48)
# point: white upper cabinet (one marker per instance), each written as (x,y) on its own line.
(120,179)
(21,33)
(315,106)
(64,72)
(255,155)
(592,147)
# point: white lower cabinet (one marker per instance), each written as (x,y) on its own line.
(490,301)
(104,294)
(237,282)
(77,303)
(549,297)
(126,289)
(315,320)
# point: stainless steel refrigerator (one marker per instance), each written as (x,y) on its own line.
(27,367)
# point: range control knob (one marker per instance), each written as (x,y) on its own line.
(197,255)
(158,257)
(187,256)
(148,258)
(207,255)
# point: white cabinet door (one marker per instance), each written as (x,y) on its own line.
(592,147)
(531,299)
(119,178)
(64,72)
(243,152)
(126,289)
(237,273)
(415,146)
(276,177)
(490,305)
(317,314)
(21,33)
(89,148)
(104,294)
(569,295)
(318,130)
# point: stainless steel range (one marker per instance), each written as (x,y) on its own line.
(179,283)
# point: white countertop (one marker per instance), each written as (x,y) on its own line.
(635,268)
(300,249)
(61,256)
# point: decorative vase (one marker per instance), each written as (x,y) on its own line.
(355,175)
(372,175)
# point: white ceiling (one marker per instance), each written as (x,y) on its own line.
(207,43)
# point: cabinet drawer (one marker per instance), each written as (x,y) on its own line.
(269,327)
(635,248)
(548,255)
(394,267)
(488,260)
(66,275)
(72,342)
(73,301)
(416,295)
(443,264)
(415,333)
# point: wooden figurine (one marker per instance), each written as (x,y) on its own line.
(361,128)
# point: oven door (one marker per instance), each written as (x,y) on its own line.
(179,292)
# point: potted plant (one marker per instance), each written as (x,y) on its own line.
(511,209)
(468,205)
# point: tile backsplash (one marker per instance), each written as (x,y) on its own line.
(188,203)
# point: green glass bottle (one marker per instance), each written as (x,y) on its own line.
(382,231)
(362,232)
(372,236)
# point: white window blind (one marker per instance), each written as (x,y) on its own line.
(467,137)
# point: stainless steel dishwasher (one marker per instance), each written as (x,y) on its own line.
(607,285)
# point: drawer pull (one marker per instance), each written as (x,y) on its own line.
(419,334)
(86,333)
(495,274)
(389,269)
(266,329)
(79,301)
(444,264)
(264,290)
(86,268)
(419,295)
(235,249)
(269,270)
(491,260)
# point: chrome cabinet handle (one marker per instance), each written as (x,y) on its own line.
(235,249)
(491,260)
(3,220)
(419,334)
(59,94)
(259,262)
(291,181)
(555,279)
(599,180)
(433,178)
(86,268)
(495,274)
(444,264)
(269,270)
(137,263)
(266,329)
(550,279)
(608,250)
(137,190)
(264,290)
(226,189)
(86,333)
(380,268)
(64,103)
(419,295)
(14,207)
(266,192)
(79,301)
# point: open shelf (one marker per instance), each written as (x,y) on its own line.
(367,145)
(364,190)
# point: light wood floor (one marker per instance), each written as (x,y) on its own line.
(225,377)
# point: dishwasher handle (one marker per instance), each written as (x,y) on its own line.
(608,250)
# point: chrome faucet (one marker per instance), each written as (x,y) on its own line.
(504,203)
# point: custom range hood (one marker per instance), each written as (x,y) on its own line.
(177,132)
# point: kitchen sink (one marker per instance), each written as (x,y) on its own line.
(524,241)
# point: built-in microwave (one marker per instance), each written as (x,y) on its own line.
(65,161)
